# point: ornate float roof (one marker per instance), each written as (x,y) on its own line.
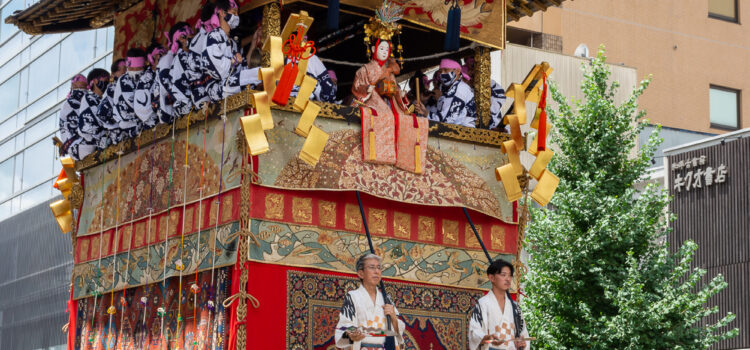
(56,16)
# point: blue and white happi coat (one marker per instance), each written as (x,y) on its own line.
(325,90)
(144,103)
(497,100)
(456,105)
(68,123)
(183,73)
(124,109)
(92,130)
(162,90)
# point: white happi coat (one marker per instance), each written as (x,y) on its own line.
(144,101)
(456,105)
(487,318)
(496,104)
(162,89)
(359,311)
(124,105)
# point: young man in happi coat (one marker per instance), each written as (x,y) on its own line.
(146,98)
(364,311)
(69,123)
(91,129)
(497,95)
(220,64)
(105,111)
(124,97)
(183,72)
(456,104)
(496,322)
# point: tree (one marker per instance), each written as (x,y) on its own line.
(600,274)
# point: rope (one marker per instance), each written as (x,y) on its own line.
(195,288)
(144,300)
(123,301)
(111,309)
(241,294)
(212,293)
(410,59)
(166,240)
(180,265)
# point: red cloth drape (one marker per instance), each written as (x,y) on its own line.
(72,316)
(542,138)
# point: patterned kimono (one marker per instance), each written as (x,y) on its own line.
(359,311)
(456,105)
(106,116)
(69,123)
(162,92)
(325,90)
(183,74)
(496,104)
(487,318)
(387,110)
(92,130)
(144,102)
(124,109)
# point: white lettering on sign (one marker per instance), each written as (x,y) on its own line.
(695,176)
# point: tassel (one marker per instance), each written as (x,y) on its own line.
(305,90)
(372,155)
(417,158)
(546,187)
(542,139)
(302,71)
(333,15)
(286,83)
(264,109)
(313,147)
(453,28)
(307,119)
(254,135)
(542,159)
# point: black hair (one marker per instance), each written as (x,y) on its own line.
(177,26)
(116,64)
(135,52)
(207,11)
(222,5)
(498,265)
(416,78)
(97,73)
(153,46)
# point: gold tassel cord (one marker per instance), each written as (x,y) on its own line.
(180,264)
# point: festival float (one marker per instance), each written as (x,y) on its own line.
(238,225)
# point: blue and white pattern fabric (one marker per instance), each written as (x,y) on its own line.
(91,130)
(456,105)
(107,117)
(124,109)
(162,91)
(144,103)
(183,74)
(325,90)
(496,104)
(68,123)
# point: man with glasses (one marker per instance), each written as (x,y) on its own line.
(496,321)
(362,320)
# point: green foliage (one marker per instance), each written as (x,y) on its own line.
(600,275)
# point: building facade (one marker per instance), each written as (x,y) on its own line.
(35,73)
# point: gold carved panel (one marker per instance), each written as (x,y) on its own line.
(497,237)
(402,225)
(352,218)
(227,205)
(469,236)
(189,219)
(83,249)
(140,233)
(162,234)
(126,234)
(302,210)
(327,213)
(450,232)
(376,218)
(274,206)
(426,228)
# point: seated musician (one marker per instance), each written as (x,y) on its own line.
(497,97)
(72,143)
(124,104)
(364,310)
(496,321)
(456,104)
(105,111)
(92,129)
(146,101)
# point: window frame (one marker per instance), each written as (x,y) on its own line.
(735,19)
(738,94)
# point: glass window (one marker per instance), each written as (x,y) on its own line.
(17,179)
(110,37)
(101,42)
(7,29)
(6,149)
(11,48)
(7,127)
(43,43)
(723,9)
(6,176)
(724,104)
(10,68)
(23,90)
(43,72)
(35,196)
(8,97)
(38,164)
(4,210)
(41,129)
(43,104)
(77,52)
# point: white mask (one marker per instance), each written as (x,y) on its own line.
(383,51)
(233,21)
